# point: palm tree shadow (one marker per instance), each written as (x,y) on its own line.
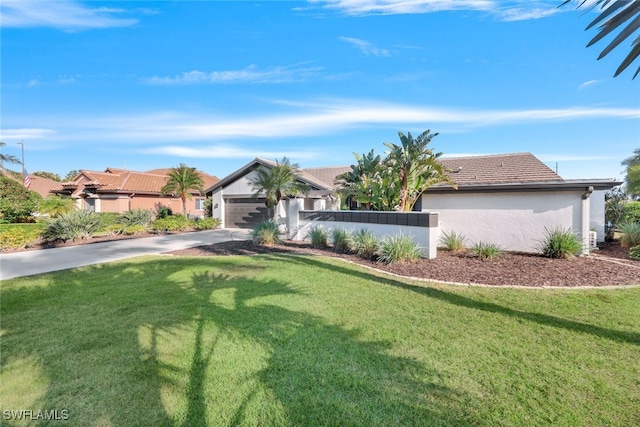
(462,301)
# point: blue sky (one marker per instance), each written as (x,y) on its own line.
(213,84)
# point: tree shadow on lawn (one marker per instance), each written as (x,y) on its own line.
(138,343)
(462,301)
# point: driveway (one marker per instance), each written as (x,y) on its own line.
(19,264)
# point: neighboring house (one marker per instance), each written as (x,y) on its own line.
(40,185)
(119,190)
(507,199)
(232,200)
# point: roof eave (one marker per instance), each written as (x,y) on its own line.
(565,185)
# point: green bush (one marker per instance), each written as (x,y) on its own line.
(559,243)
(631,211)
(318,236)
(341,239)
(141,217)
(19,236)
(453,241)
(630,234)
(207,223)
(170,223)
(634,252)
(74,225)
(485,250)
(107,219)
(163,211)
(17,203)
(114,229)
(399,248)
(365,243)
(267,233)
(132,230)
(54,205)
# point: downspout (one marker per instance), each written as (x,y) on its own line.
(131,199)
(586,215)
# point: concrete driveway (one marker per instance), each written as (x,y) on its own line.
(27,263)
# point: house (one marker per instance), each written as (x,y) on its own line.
(507,199)
(39,184)
(232,200)
(119,190)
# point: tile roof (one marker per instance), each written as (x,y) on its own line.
(120,180)
(328,174)
(498,169)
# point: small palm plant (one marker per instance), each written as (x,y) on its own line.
(399,248)
(365,243)
(486,251)
(453,241)
(559,243)
(318,236)
(266,233)
(341,239)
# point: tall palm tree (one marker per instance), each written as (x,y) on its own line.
(181,181)
(632,179)
(8,158)
(359,181)
(616,14)
(415,166)
(276,182)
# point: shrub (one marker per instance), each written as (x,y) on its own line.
(485,250)
(365,243)
(17,203)
(399,248)
(132,230)
(140,217)
(559,243)
(163,211)
(114,229)
(630,234)
(79,224)
(19,236)
(341,240)
(634,252)
(631,211)
(266,233)
(55,206)
(170,223)
(206,223)
(318,236)
(453,241)
(107,219)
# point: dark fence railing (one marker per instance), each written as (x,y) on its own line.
(415,219)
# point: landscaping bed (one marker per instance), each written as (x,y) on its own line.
(609,266)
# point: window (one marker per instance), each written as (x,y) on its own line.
(199,204)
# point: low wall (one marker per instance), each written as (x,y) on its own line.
(421,226)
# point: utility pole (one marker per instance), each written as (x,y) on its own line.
(22,145)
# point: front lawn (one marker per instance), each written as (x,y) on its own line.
(291,340)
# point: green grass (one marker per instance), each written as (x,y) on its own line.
(288,340)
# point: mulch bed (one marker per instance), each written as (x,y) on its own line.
(609,266)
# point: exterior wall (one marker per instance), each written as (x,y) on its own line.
(217,206)
(514,220)
(424,231)
(115,204)
(241,187)
(596,220)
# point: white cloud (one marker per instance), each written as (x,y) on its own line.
(588,83)
(251,74)
(366,47)
(62,14)
(7,135)
(511,10)
(311,119)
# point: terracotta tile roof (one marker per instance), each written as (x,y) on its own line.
(497,169)
(125,181)
(42,185)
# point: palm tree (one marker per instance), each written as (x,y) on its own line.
(8,158)
(277,181)
(415,166)
(633,173)
(181,181)
(616,14)
(359,181)
(55,206)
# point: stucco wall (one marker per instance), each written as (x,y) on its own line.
(596,220)
(515,221)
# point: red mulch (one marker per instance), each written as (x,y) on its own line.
(609,266)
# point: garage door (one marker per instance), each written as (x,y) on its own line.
(244,213)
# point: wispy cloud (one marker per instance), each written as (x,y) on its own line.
(251,74)
(506,10)
(7,135)
(293,120)
(365,47)
(62,14)
(588,83)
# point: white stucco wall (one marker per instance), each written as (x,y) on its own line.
(426,238)
(515,221)
(217,206)
(596,219)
